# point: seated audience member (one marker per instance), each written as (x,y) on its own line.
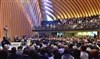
(57,54)
(94,54)
(67,55)
(34,54)
(50,54)
(43,54)
(19,51)
(26,53)
(13,54)
(84,54)
(76,52)
(3,54)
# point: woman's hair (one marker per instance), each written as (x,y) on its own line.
(66,51)
(13,50)
(83,48)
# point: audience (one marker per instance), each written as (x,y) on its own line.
(73,24)
(54,48)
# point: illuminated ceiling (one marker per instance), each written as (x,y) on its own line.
(63,9)
(37,10)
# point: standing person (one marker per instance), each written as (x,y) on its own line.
(5,41)
(6,30)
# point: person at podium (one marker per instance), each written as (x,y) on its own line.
(6,30)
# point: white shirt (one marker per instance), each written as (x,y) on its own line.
(84,55)
(51,57)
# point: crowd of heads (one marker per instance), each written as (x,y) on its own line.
(54,48)
(72,24)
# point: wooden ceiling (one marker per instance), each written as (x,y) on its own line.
(63,9)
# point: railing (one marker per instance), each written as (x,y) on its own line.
(73,24)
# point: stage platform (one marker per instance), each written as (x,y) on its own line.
(14,44)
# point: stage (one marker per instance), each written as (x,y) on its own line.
(13,44)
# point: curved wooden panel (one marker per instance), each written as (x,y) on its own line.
(75,8)
(14,17)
